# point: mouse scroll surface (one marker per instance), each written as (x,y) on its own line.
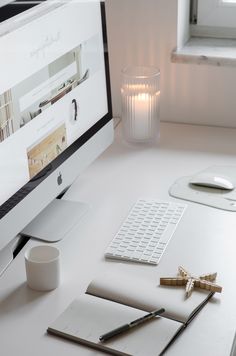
(212,180)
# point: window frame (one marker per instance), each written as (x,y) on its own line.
(213,18)
(205,47)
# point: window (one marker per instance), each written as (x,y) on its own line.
(210,39)
(214,17)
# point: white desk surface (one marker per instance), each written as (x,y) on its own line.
(205,241)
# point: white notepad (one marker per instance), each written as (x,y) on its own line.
(113,300)
(89,317)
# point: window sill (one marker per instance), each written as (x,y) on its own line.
(210,51)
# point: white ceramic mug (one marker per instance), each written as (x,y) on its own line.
(42,265)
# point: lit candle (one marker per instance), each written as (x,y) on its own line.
(140,104)
(141,118)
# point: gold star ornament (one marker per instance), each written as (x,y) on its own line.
(205,281)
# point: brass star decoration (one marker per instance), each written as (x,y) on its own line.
(185,278)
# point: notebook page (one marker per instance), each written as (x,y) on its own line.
(141,294)
(89,317)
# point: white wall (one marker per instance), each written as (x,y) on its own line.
(145,32)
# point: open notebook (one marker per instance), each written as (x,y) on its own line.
(113,300)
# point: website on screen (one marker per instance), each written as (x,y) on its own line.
(53,89)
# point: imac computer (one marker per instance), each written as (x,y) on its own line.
(55,113)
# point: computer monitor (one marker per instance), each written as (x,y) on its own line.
(55,107)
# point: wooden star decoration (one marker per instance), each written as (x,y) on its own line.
(185,278)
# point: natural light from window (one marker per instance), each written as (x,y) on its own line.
(229,1)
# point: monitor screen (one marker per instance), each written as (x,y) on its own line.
(54,93)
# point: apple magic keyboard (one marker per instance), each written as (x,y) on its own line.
(146,231)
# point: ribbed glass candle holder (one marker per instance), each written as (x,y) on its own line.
(140,92)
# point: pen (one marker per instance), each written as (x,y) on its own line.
(130,325)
